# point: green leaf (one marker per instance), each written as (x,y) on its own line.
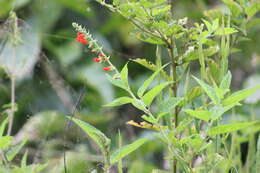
(117,82)
(194,140)
(10,155)
(120,101)
(225,31)
(145,85)
(96,135)
(149,39)
(200,114)
(149,119)
(225,83)
(150,95)
(240,95)
(252,9)
(209,90)
(214,69)
(169,104)
(24,159)
(158,11)
(116,2)
(139,105)
(3,126)
(193,93)
(145,63)
(183,125)
(193,54)
(5,142)
(208,24)
(126,150)
(234,7)
(220,92)
(227,128)
(124,74)
(151,66)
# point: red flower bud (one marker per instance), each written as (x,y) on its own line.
(96,59)
(107,68)
(81,38)
(80,33)
(102,55)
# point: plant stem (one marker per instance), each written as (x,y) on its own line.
(120,164)
(174,90)
(106,162)
(12,111)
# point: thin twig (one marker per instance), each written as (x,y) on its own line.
(68,124)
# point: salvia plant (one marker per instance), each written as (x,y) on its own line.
(184,110)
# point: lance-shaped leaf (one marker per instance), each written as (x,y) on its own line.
(253,8)
(96,135)
(169,104)
(151,66)
(10,154)
(225,31)
(139,105)
(146,84)
(227,128)
(117,82)
(3,126)
(120,101)
(209,90)
(127,149)
(200,114)
(150,95)
(239,96)
(124,74)
(234,7)
(225,83)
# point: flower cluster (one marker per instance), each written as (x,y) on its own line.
(81,38)
(85,37)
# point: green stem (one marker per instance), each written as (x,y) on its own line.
(11,114)
(174,90)
(120,164)
(106,162)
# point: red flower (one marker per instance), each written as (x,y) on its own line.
(101,55)
(107,68)
(96,59)
(81,38)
